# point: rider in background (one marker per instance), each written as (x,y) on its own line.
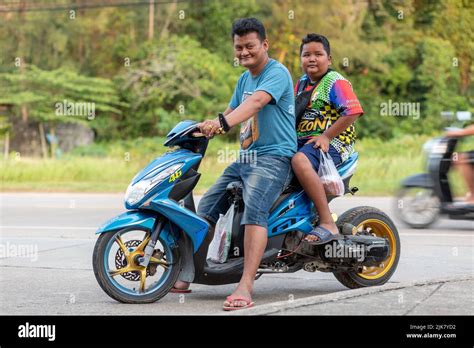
(325,123)
(465,162)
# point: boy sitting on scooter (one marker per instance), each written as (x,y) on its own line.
(326,108)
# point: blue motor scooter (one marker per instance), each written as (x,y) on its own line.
(139,254)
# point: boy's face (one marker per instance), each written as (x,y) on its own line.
(314,60)
(249,50)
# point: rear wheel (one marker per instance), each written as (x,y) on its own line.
(377,223)
(119,274)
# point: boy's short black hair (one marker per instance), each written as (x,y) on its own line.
(243,26)
(312,37)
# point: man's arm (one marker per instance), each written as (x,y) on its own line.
(461,132)
(228,111)
(243,112)
(248,108)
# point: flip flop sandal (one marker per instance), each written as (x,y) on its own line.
(231,299)
(324,236)
(180,291)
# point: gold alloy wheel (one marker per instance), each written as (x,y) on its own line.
(132,260)
(379,229)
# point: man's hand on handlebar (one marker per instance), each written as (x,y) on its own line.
(210,127)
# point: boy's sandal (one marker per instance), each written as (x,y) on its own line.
(324,236)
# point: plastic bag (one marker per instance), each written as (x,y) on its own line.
(220,244)
(329,175)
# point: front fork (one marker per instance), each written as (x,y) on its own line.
(145,259)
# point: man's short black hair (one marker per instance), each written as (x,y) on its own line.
(312,37)
(244,26)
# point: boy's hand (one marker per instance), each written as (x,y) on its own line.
(320,141)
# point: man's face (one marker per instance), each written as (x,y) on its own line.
(314,59)
(250,50)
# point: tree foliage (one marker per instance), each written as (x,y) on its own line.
(407,51)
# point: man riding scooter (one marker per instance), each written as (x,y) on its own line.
(465,162)
(263,102)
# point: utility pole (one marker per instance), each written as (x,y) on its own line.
(151,20)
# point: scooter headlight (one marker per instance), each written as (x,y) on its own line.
(435,147)
(136,192)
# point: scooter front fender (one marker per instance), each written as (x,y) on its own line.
(135,218)
(418,180)
(193,225)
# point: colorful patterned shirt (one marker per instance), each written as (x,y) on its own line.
(332,98)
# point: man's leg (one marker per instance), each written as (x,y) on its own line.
(467,170)
(262,186)
(213,203)
(255,241)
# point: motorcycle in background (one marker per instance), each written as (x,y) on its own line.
(423,198)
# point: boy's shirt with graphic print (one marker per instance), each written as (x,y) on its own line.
(332,98)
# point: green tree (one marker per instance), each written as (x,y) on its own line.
(178,80)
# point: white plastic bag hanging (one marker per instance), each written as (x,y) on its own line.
(220,244)
(332,181)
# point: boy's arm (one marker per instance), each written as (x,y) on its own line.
(340,126)
(337,128)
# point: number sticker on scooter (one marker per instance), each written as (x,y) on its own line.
(175,175)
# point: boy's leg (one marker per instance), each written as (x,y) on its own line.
(262,186)
(305,166)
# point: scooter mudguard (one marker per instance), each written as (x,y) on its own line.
(193,225)
(135,218)
(196,230)
(418,180)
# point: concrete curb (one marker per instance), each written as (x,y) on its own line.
(275,307)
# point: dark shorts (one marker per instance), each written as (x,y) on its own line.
(314,154)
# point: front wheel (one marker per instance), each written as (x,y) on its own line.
(377,223)
(119,274)
(418,207)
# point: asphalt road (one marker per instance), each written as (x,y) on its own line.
(59,280)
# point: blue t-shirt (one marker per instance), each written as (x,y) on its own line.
(271,131)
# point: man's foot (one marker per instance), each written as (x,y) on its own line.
(329,226)
(469,199)
(239,299)
(181,287)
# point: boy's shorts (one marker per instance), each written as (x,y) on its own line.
(314,155)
